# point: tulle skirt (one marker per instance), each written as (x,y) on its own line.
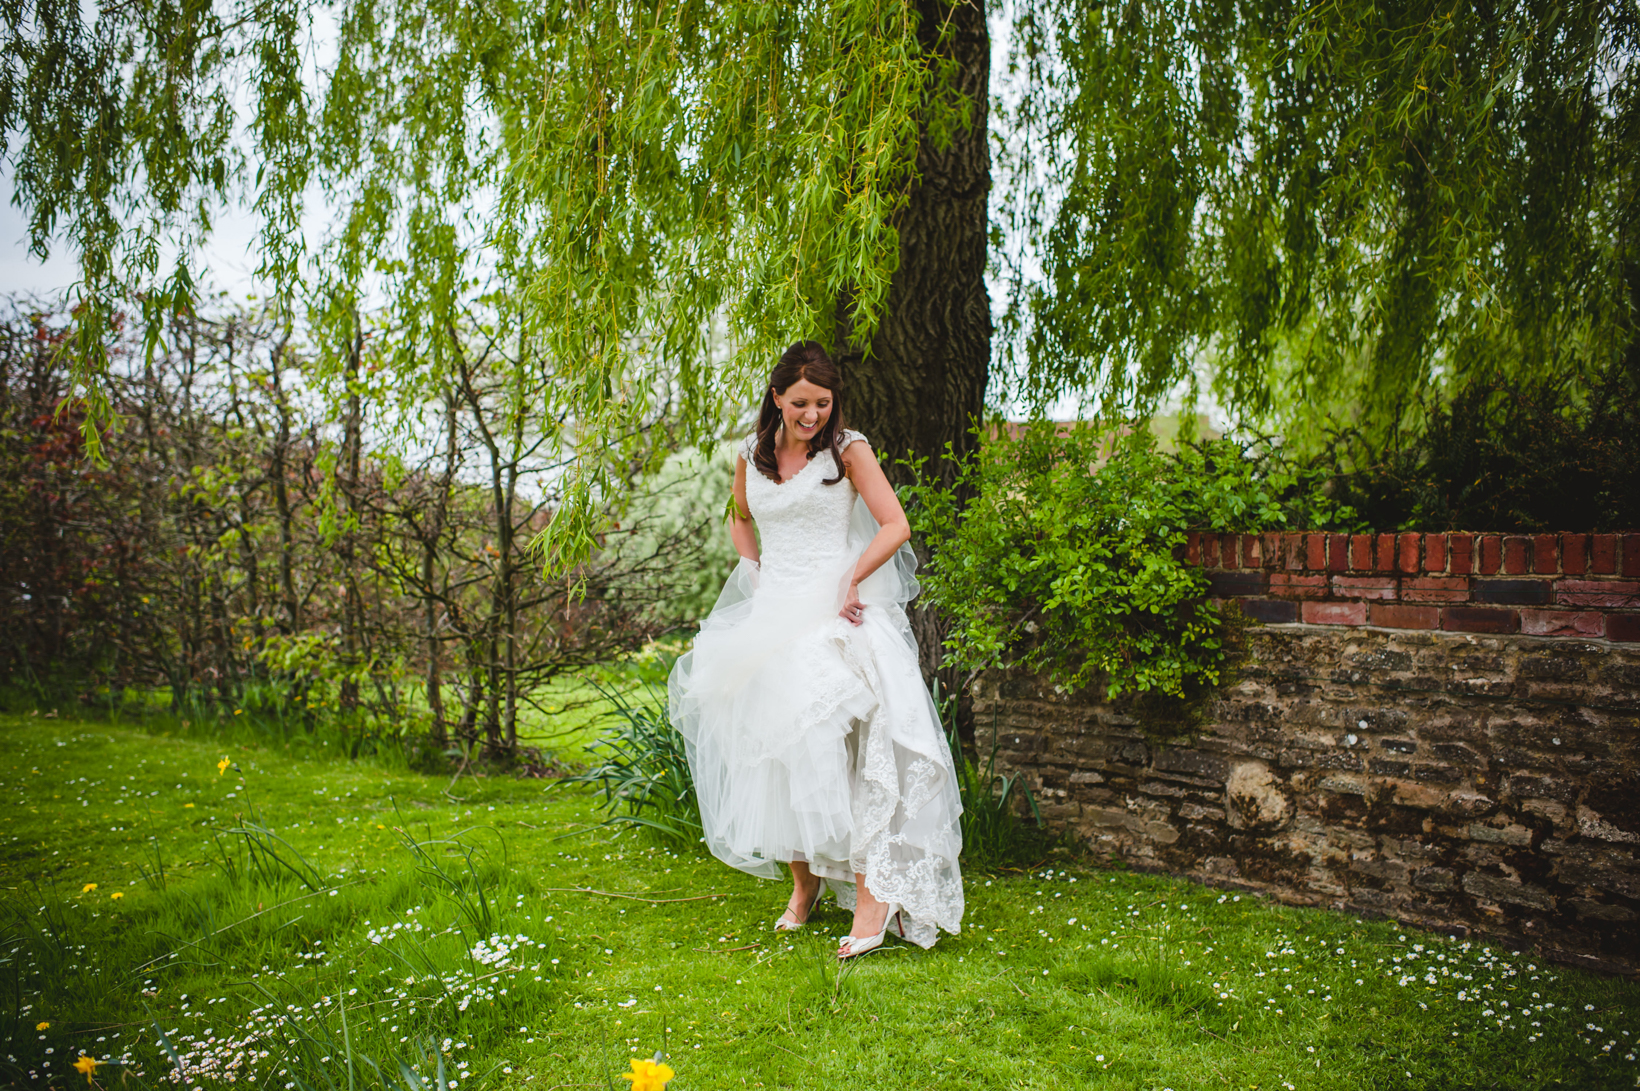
(813,739)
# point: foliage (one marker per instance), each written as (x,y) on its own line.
(644,778)
(685,500)
(73,560)
(1068,558)
(1341,211)
(1027,994)
(1344,208)
(1523,456)
(257,550)
(992,832)
(597,182)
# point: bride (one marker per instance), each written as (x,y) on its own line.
(812,740)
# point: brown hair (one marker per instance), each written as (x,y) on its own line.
(804,360)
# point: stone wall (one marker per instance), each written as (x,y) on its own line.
(1466,782)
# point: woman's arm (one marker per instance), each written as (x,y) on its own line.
(861,465)
(740,524)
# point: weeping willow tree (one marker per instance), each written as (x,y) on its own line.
(1332,211)
(1334,208)
(600,184)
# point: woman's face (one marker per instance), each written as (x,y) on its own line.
(804,408)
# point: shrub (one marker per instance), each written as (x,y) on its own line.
(1067,556)
(993,832)
(644,778)
(684,503)
(1505,456)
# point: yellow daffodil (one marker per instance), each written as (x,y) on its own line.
(117,895)
(88,888)
(41,1026)
(222,766)
(87,1065)
(648,1075)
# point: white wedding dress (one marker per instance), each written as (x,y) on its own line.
(813,739)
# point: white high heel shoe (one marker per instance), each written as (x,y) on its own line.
(784,925)
(855,946)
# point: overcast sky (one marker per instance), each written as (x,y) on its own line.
(229,258)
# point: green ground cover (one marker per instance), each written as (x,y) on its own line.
(295,920)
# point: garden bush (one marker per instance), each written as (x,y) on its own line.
(1547,455)
(642,777)
(1060,550)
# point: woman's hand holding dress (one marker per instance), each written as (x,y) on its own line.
(852,608)
(860,464)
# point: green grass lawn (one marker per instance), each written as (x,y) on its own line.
(360,913)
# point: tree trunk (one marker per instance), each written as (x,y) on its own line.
(290,622)
(922,385)
(347,551)
(509,726)
(432,531)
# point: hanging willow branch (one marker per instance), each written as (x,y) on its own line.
(1332,209)
(1336,207)
(601,182)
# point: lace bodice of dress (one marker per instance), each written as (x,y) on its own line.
(802,522)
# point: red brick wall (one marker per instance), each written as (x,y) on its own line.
(1583,586)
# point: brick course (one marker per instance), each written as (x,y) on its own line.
(1515,555)
(1463,553)
(1563,623)
(1334,613)
(1554,585)
(1394,615)
(1574,554)
(1545,554)
(1623,627)
(1604,555)
(1434,552)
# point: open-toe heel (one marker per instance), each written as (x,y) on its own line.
(784,925)
(854,947)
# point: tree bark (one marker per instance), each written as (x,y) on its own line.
(432,531)
(347,548)
(509,581)
(280,473)
(922,384)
